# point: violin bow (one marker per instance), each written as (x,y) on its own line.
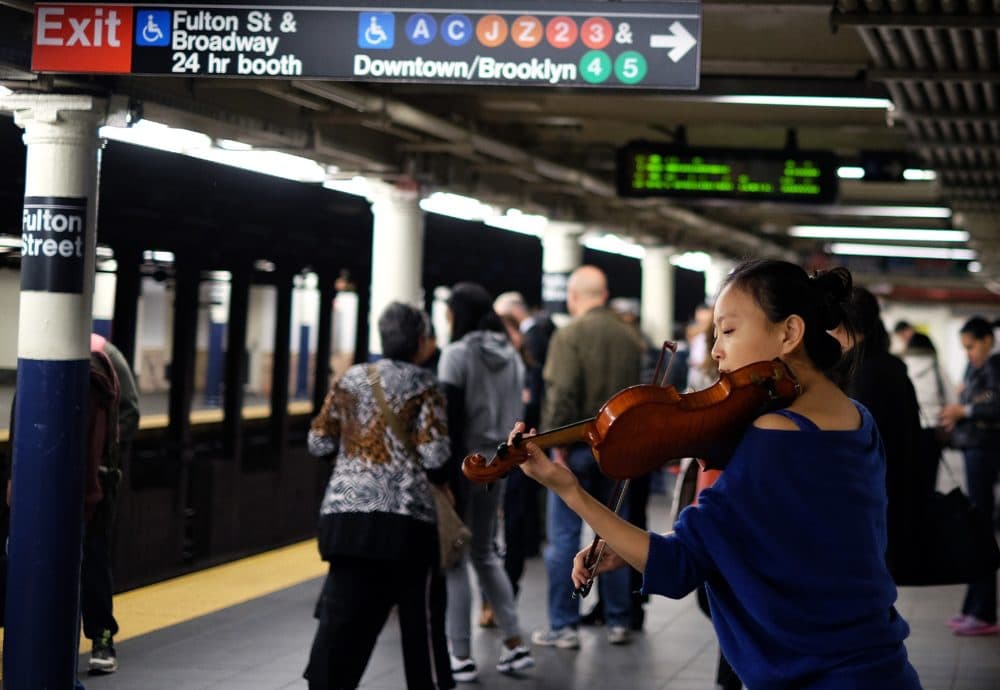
(596,552)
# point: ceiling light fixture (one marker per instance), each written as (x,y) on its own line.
(919,175)
(851,172)
(838,232)
(457,206)
(515,220)
(613,244)
(897,251)
(807,101)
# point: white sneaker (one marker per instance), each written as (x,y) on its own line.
(516,659)
(564,638)
(463,670)
(618,634)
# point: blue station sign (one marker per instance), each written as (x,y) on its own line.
(651,45)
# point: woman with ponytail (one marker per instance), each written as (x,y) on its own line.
(790,541)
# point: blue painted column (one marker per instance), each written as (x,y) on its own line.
(218,315)
(57,277)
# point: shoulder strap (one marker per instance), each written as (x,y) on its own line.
(802,422)
(391,419)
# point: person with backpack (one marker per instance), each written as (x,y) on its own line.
(114,421)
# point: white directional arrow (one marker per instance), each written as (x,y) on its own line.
(679,40)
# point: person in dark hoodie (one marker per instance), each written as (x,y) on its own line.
(878,380)
(482,376)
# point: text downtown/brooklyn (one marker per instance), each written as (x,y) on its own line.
(481,68)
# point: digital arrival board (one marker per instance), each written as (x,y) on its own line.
(663,170)
(653,45)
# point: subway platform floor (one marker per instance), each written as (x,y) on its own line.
(261,642)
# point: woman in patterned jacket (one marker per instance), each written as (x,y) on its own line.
(377,520)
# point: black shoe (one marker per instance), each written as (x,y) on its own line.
(103,659)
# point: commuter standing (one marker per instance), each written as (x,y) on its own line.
(96,578)
(932,392)
(589,360)
(974,423)
(377,519)
(482,376)
(521,514)
(878,380)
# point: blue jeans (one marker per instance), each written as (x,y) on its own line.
(563,527)
(981,470)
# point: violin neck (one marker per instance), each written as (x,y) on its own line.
(561,436)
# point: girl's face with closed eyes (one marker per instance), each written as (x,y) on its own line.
(744,334)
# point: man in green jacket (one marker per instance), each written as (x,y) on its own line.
(588,361)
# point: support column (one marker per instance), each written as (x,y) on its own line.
(718,270)
(561,255)
(658,294)
(305,310)
(104,303)
(127,289)
(280,368)
(59,231)
(218,314)
(397,255)
(236,360)
(324,338)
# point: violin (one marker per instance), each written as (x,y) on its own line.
(641,428)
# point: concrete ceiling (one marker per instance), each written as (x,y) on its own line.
(553,149)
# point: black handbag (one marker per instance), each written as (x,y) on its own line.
(957,544)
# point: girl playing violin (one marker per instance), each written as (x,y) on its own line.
(790,542)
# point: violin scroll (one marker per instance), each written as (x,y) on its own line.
(478,469)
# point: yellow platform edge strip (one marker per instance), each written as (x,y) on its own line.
(162,605)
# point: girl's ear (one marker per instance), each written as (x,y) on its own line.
(793,335)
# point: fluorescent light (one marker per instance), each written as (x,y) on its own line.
(892,250)
(916,175)
(974,267)
(4,91)
(107,266)
(275,163)
(851,172)
(158,136)
(613,244)
(457,206)
(876,211)
(357,185)
(806,101)
(161,257)
(234,153)
(837,232)
(516,220)
(693,261)
(264,266)
(232,145)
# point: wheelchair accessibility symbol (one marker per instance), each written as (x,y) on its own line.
(152,28)
(376,30)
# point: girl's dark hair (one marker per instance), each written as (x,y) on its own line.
(919,341)
(782,288)
(400,327)
(978,327)
(864,313)
(472,310)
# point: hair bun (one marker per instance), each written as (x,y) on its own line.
(833,289)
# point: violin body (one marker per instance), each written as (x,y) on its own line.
(641,428)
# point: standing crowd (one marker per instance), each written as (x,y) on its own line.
(798,573)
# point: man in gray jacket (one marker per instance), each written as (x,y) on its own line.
(589,360)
